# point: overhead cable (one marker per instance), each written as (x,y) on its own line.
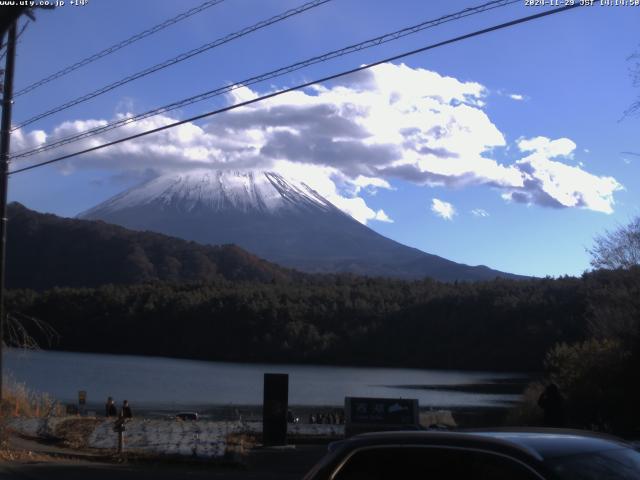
(118,46)
(172,61)
(388,37)
(302,86)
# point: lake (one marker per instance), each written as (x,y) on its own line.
(168,383)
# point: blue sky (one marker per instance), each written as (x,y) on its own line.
(569,74)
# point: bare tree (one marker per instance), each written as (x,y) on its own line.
(619,248)
(24,331)
(634,70)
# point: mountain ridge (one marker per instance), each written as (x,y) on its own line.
(280,219)
(48,251)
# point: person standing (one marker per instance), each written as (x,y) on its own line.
(110,408)
(552,403)
(126,410)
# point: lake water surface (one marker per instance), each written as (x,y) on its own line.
(156,382)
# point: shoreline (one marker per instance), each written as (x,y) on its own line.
(464,416)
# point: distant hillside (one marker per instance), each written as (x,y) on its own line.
(46,251)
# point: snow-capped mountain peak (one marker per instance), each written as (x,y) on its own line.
(277,218)
(244,191)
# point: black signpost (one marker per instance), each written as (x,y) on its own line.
(119,427)
(82,402)
(364,414)
(274,409)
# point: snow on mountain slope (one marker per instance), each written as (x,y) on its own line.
(219,190)
(276,218)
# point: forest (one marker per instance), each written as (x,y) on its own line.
(497,325)
(47,251)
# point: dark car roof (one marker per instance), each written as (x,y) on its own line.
(537,444)
(552,443)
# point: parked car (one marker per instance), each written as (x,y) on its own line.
(187,416)
(500,454)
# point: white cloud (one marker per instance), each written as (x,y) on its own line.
(479,212)
(443,209)
(383,217)
(376,126)
(516,96)
(370,184)
(550,182)
(562,147)
(325,181)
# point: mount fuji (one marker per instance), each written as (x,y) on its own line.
(277,218)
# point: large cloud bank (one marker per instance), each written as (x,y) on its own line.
(391,122)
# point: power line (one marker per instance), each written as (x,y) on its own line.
(172,61)
(302,85)
(118,46)
(269,75)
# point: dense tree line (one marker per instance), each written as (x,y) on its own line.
(47,251)
(502,324)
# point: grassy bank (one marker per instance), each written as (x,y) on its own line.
(20,401)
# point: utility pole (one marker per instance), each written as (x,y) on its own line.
(5,147)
